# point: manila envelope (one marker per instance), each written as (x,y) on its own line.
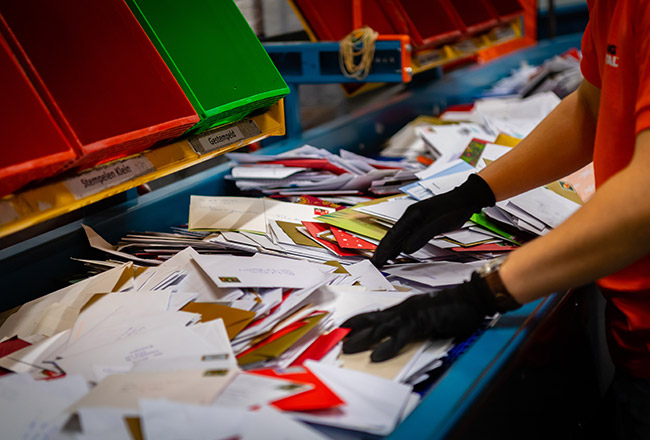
(388,369)
(58,311)
(566,190)
(235,320)
(291,229)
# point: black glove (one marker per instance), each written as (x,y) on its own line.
(449,313)
(424,220)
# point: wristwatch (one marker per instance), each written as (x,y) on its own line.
(490,274)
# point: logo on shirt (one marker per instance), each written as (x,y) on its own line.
(610,58)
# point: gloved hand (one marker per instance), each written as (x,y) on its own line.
(424,220)
(449,313)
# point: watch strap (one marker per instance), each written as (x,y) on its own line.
(504,300)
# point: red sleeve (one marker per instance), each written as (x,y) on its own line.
(589,63)
(642,55)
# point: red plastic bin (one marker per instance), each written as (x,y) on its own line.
(101,77)
(431,23)
(476,15)
(33,145)
(507,9)
(334,19)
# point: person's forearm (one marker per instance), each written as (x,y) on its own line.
(560,144)
(608,233)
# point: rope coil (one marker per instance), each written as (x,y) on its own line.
(357,50)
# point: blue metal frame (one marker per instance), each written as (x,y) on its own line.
(444,406)
(318,63)
(29,269)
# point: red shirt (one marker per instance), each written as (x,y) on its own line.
(616,58)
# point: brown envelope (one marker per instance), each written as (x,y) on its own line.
(235,320)
(274,348)
(291,230)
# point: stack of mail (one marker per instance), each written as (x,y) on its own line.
(310,170)
(407,143)
(560,74)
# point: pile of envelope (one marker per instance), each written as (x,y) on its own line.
(315,171)
(225,342)
(560,74)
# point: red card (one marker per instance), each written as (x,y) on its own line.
(321,346)
(320,397)
(349,241)
(315,228)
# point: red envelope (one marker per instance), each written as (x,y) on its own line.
(274,337)
(487,247)
(321,346)
(320,397)
(315,228)
(349,241)
(314,164)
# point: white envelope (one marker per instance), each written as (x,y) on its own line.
(227,213)
(35,409)
(121,325)
(259,271)
(264,172)
(131,303)
(164,342)
(437,273)
(391,209)
(372,404)
(368,275)
(250,390)
(58,310)
(195,280)
(347,301)
(97,242)
(103,423)
(164,420)
(545,205)
(124,390)
(443,184)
